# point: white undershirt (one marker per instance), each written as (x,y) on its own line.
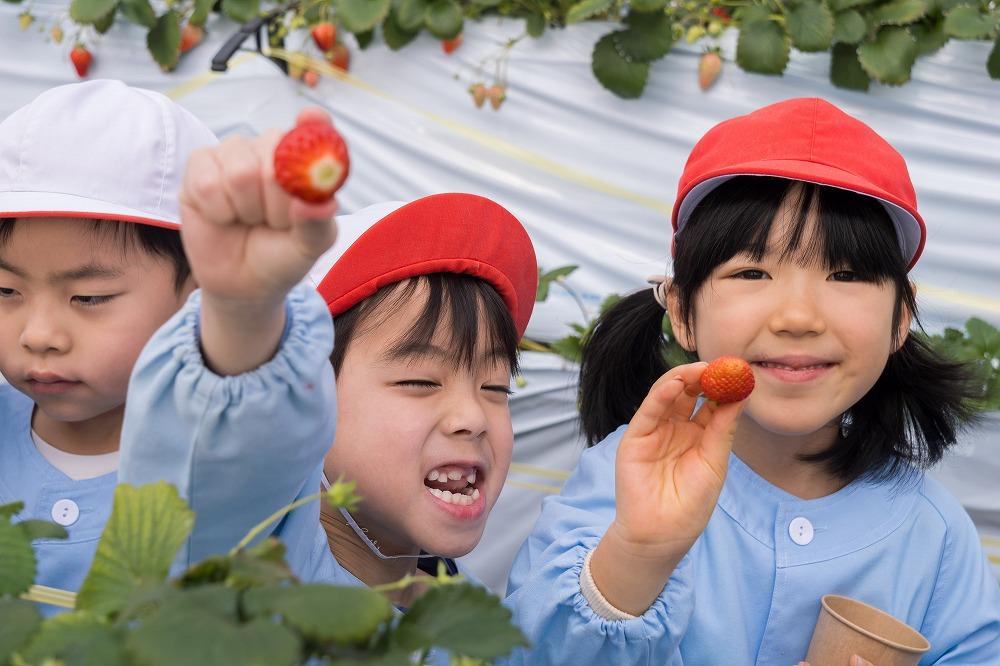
(75,466)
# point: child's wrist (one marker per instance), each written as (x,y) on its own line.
(631,577)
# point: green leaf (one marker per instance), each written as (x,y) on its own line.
(410,14)
(464,619)
(752,14)
(75,639)
(810,26)
(362,15)
(648,36)
(444,18)
(890,57)
(535,25)
(966,22)
(20,620)
(849,27)
(647,5)
(993,62)
(984,337)
(201,11)
(241,11)
(841,5)
(899,12)
(147,526)
(846,70)
(365,38)
(139,12)
(570,348)
(18,570)
(395,36)
(90,11)
(42,529)
(558,273)
(344,615)
(11,510)
(164,40)
(584,9)
(103,24)
(762,48)
(622,76)
(930,37)
(198,636)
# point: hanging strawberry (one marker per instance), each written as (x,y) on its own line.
(81,59)
(449,45)
(340,56)
(709,68)
(191,36)
(324,34)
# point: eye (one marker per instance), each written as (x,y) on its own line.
(93,301)
(418,383)
(6,292)
(750,274)
(845,276)
(498,388)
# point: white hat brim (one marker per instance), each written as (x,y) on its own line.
(53,204)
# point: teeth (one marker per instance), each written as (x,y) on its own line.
(454,475)
(435,492)
(433,475)
(471,478)
(475,493)
(459,498)
(446,495)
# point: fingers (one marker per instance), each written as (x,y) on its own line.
(313,226)
(241,165)
(858,661)
(666,396)
(200,190)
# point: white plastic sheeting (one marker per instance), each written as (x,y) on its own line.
(592,177)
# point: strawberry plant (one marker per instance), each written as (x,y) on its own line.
(979,345)
(242,607)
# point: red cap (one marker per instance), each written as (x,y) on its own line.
(441,233)
(810,140)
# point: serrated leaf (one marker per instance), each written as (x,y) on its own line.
(365,39)
(944,6)
(164,40)
(647,5)
(762,48)
(18,570)
(624,78)
(464,619)
(444,18)
(535,25)
(899,12)
(965,22)
(362,15)
(993,62)
(841,5)
(584,9)
(395,36)
(90,11)
(103,24)
(201,11)
(849,27)
(20,620)
(810,26)
(11,510)
(42,529)
(570,348)
(147,526)
(846,70)
(215,598)
(197,636)
(889,59)
(75,639)
(648,36)
(984,337)
(344,615)
(241,10)
(930,37)
(410,14)
(139,12)
(752,14)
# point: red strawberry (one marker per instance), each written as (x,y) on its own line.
(449,45)
(709,68)
(727,379)
(310,78)
(722,13)
(340,56)
(311,162)
(497,94)
(478,92)
(81,59)
(324,35)
(191,36)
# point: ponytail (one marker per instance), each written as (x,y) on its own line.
(622,357)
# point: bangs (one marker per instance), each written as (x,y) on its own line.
(463,312)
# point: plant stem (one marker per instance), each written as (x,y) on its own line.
(264,524)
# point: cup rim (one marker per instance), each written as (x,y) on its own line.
(862,630)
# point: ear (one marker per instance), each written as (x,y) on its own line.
(682,332)
(905,319)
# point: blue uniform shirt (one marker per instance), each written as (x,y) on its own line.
(749,590)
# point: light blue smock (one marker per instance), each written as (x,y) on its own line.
(747,592)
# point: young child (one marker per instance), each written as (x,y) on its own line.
(91,264)
(429,301)
(708,535)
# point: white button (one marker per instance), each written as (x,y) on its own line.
(65,512)
(801,531)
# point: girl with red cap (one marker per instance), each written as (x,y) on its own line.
(703,533)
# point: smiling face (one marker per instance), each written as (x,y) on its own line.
(76,307)
(423,423)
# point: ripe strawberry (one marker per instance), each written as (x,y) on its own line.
(81,58)
(709,68)
(478,92)
(191,36)
(56,34)
(727,379)
(311,162)
(340,56)
(324,35)
(310,78)
(722,13)
(449,45)
(497,94)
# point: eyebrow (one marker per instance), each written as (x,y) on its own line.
(85,272)
(421,350)
(11,269)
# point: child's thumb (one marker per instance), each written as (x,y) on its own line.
(313,226)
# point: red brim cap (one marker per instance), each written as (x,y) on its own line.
(809,140)
(441,233)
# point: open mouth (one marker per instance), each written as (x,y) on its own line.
(454,484)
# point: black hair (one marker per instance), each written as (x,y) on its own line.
(453,300)
(909,417)
(154,241)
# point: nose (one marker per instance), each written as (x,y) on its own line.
(797,309)
(43,333)
(465,416)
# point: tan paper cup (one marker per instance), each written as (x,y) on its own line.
(848,627)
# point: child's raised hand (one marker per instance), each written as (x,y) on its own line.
(669,472)
(246,238)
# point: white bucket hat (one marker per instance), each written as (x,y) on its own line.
(98,150)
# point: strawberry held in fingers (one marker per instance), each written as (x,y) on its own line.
(727,379)
(311,162)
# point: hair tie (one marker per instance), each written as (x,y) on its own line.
(659,284)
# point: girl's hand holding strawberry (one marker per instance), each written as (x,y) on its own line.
(669,473)
(249,242)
